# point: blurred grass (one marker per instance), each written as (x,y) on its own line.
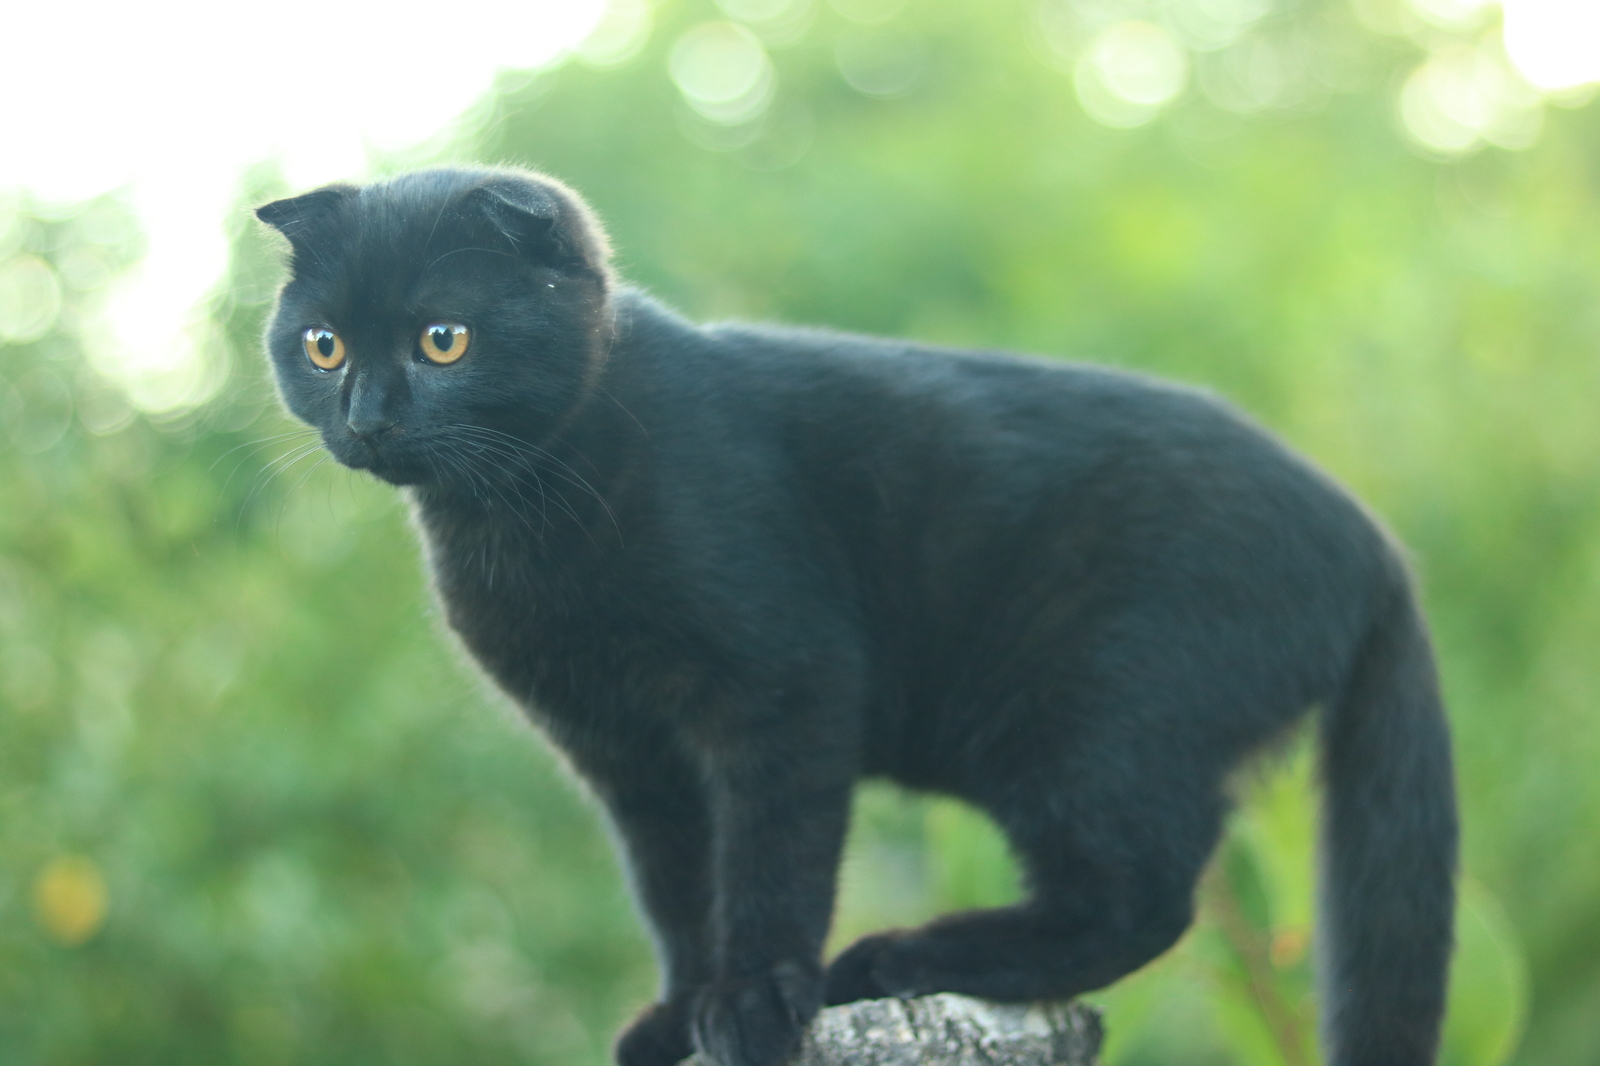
(255,808)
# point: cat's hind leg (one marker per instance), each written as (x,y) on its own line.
(1112,840)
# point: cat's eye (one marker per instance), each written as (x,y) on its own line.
(445,342)
(323,348)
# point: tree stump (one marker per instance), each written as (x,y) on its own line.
(947,1030)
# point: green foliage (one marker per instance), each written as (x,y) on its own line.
(1488,983)
(255,808)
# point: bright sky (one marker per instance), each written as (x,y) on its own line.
(173,100)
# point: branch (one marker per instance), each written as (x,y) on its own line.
(947,1030)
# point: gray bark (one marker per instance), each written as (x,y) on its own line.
(947,1030)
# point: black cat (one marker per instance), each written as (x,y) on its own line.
(731,570)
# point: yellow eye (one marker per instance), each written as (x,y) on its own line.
(445,342)
(323,348)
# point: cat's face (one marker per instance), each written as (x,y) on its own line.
(434,311)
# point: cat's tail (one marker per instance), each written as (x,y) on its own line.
(1388,848)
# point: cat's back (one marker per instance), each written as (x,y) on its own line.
(844,400)
(905,455)
(913,456)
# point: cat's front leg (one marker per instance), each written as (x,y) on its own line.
(656,800)
(780,791)
(659,1036)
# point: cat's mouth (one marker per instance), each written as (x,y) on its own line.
(392,463)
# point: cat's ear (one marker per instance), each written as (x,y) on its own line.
(544,221)
(298,215)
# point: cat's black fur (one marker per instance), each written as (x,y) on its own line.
(732,570)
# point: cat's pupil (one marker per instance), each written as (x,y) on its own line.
(325,345)
(443,339)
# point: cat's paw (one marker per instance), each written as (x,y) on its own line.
(852,975)
(757,1021)
(657,1037)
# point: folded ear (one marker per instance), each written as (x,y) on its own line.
(544,221)
(297,215)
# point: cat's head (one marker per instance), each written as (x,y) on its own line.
(441,306)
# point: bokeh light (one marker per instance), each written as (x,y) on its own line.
(618,35)
(1554,43)
(1463,97)
(30,298)
(70,899)
(778,23)
(869,12)
(1487,81)
(723,72)
(1130,71)
(880,62)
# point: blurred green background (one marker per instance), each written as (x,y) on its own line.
(254,806)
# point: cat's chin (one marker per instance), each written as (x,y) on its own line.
(398,477)
(386,468)
(397,473)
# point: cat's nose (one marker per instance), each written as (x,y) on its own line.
(373,406)
(368,426)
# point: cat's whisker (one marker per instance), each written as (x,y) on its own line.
(270,469)
(624,410)
(290,457)
(438,216)
(462,471)
(562,469)
(524,457)
(526,453)
(260,443)
(565,471)
(254,446)
(471,477)
(312,469)
(457,251)
(478,448)
(284,464)
(277,467)
(284,506)
(516,484)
